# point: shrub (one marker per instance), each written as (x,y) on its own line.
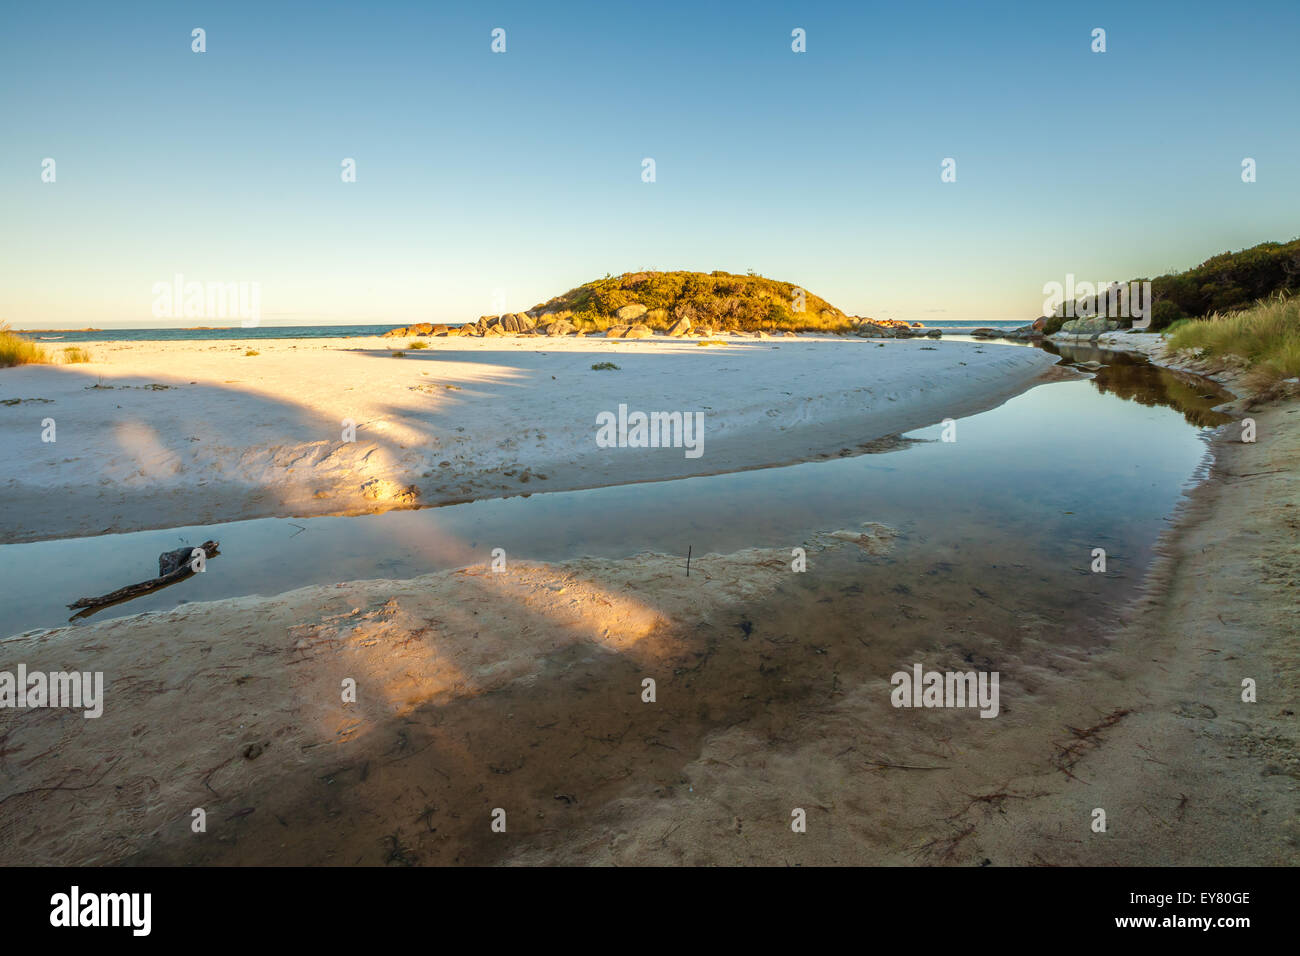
(251,352)
(417,345)
(73,355)
(602,366)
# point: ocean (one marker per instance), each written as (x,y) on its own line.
(323,332)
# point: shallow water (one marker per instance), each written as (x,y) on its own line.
(1027,489)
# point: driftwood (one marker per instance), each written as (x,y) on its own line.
(173,566)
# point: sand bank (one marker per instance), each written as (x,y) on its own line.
(154,434)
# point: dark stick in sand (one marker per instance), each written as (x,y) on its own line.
(173,566)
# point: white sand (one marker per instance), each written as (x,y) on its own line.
(235,436)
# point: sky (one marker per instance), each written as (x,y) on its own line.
(492,181)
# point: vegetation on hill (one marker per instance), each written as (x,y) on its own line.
(718,299)
(1266,338)
(1225,283)
(1228,282)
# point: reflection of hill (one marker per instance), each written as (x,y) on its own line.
(1133,378)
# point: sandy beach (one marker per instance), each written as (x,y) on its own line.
(525,690)
(160,434)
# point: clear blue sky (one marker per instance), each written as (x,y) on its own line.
(522,171)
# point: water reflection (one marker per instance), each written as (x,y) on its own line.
(1028,489)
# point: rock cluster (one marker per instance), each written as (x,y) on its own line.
(1087,329)
(891,329)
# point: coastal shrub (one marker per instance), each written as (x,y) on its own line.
(251,352)
(1266,338)
(16,350)
(73,355)
(1165,314)
(1227,282)
(602,366)
(417,345)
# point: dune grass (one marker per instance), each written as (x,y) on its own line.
(75,355)
(1266,337)
(417,345)
(16,350)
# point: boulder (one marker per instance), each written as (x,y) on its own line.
(396,333)
(681,327)
(560,327)
(1040,324)
(510,323)
(440,330)
(423,328)
(933,333)
(616,331)
(630,312)
(985,333)
(1089,327)
(638,332)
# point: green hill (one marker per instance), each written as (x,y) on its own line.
(717,299)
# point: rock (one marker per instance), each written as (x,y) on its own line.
(639,332)
(396,333)
(681,327)
(510,323)
(1089,327)
(985,333)
(630,312)
(616,331)
(1040,324)
(933,333)
(497,329)
(559,328)
(423,328)
(440,330)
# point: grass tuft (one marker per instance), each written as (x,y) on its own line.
(74,355)
(1266,337)
(16,350)
(602,366)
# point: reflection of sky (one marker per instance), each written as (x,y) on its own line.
(1061,468)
